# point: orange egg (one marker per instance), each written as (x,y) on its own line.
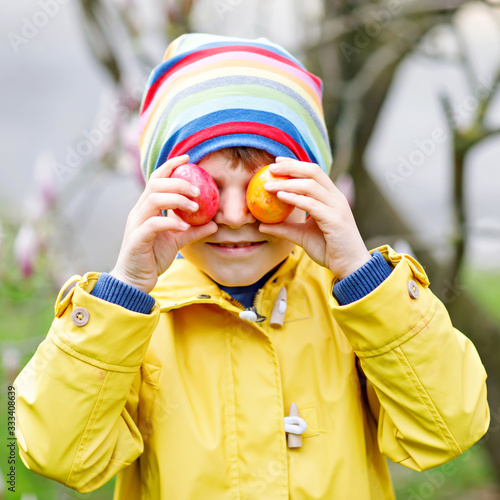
(265,206)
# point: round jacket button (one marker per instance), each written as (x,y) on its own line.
(80,316)
(413,289)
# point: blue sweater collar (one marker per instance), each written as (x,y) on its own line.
(246,294)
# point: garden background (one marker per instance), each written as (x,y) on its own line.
(413,109)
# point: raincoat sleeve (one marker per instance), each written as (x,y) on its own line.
(426,383)
(77,398)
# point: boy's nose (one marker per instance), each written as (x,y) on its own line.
(233,210)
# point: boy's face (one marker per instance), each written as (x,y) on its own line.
(257,253)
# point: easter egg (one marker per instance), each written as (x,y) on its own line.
(208,199)
(265,206)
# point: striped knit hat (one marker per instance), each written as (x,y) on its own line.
(212,92)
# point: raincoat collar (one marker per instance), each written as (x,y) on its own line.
(184,283)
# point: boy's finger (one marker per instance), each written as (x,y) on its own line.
(163,171)
(163,201)
(197,233)
(156,225)
(164,186)
(300,169)
(280,159)
(309,205)
(306,187)
(168,167)
(291,231)
(173,185)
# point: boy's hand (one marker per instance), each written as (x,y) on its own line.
(330,235)
(151,241)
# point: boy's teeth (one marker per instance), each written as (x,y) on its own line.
(233,245)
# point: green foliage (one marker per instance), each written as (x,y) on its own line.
(485,286)
(26,312)
(466,477)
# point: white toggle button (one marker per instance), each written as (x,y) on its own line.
(282,307)
(251,314)
(248,315)
(295,425)
(278,314)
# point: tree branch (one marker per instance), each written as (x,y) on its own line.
(340,26)
(99,39)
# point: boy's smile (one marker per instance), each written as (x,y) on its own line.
(238,254)
(236,248)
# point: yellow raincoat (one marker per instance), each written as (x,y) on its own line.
(188,402)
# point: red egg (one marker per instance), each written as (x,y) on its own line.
(208,200)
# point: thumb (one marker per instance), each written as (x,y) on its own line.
(196,233)
(291,231)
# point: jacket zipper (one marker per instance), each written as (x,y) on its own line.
(260,318)
(253,308)
(257,293)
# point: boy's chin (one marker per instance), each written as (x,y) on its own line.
(230,280)
(237,272)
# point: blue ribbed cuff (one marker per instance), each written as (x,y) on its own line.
(362,281)
(112,290)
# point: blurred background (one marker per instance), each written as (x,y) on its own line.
(413,109)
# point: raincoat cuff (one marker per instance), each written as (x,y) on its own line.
(100,332)
(362,281)
(113,290)
(399,308)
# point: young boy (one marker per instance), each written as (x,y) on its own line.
(179,373)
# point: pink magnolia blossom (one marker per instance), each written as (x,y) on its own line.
(128,137)
(26,249)
(346,186)
(46,186)
(2,236)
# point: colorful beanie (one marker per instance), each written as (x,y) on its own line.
(212,92)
